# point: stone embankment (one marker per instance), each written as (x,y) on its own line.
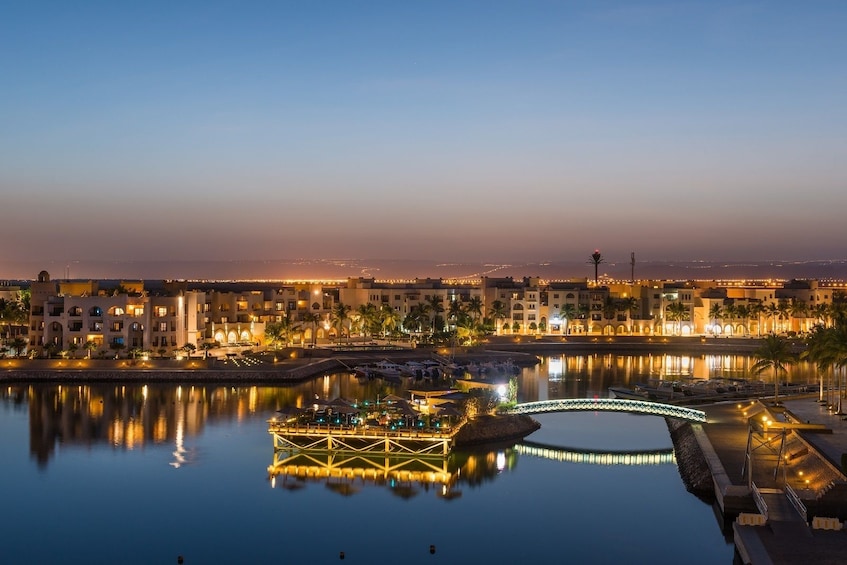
(495,429)
(691,463)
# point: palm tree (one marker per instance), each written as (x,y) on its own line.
(189,348)
(436,306)
(274,334)
(17,345)
(207,346)
(798,309)
(715,314)
(469,328)
(819,312)
(629,305)
(730,311)
(312,320)
(454,310)
(783,308)
(743,312)
(389,318)
(756,310)
(413,322)
(89,346)
(474,307)
(338,317)
(497,312)
(366,315)
(677,312)
(772,312)
(582,312)
(827,347)
(774,353)
(596,259)
(567,312)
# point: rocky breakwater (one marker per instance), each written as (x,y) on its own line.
(494,429)
(691,463)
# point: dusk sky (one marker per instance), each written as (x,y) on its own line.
(456,131)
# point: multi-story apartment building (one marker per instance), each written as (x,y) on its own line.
(167,316)
(68,316)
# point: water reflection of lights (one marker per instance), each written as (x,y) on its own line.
(501,460)
(179,440)
(555,369)
(592,457)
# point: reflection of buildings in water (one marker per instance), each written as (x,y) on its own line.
(585,376)
(134,416)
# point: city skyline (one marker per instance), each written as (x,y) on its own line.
(496,133)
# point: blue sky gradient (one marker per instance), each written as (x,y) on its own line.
(455,131)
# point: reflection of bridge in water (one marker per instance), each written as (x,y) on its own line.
(594,457)
(610,405)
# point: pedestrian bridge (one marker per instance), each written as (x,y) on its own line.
(610,405)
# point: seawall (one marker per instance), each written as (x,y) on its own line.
(691,463)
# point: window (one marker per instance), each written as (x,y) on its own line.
(163,326)
(161,311)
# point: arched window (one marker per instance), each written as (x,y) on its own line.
(95,311)
(75,311)
(116,311)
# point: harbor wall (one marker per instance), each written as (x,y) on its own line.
(691,463)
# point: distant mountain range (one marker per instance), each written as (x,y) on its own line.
(341,269)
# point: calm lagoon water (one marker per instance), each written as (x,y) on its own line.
(134,474)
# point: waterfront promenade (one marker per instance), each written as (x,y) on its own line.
(295,364)
(810,453)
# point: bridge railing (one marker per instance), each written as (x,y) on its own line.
(760,501)
(796,502)
(610,405)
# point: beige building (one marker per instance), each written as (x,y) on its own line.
(168,316)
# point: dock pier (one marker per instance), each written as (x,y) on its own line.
(776,478)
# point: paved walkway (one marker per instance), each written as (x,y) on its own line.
(786,539)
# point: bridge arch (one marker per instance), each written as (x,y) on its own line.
(610,405)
